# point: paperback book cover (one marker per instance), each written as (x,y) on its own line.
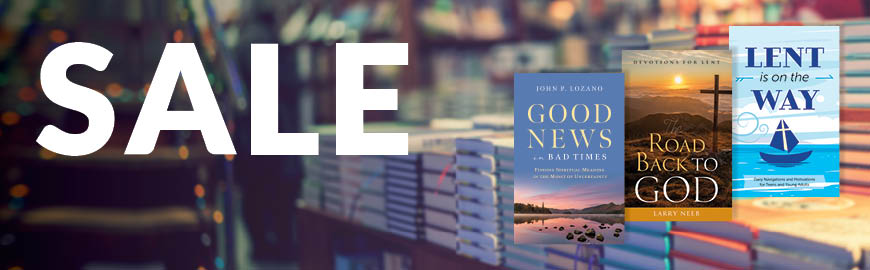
(568,170)
(677,135)
(786,111)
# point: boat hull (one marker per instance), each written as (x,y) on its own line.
(789,158)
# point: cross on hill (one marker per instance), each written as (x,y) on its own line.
(716,92)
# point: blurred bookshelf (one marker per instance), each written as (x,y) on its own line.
(462,57)
(452,66)
(421,255)
(107,210)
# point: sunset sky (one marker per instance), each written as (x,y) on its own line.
(677,76)
(561,194)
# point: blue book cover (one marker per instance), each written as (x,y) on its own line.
(786,117)
(568,158)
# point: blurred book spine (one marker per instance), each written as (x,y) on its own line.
(614,46)
(646,242)
(481,225)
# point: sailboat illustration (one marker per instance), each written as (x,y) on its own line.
(784,140)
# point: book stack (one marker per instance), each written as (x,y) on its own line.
(647,246)
(498,122)
(521,257)
(328,170)
(439,201)
(480,225)
(614,46)
(439,185)
(715,37)
(421,106)
(855,152)
(855,63)
(311,196)
(348,183)
(363,180)
(711,245)
(515,256)
(574,256)
(403,195)
(864,261)
(672,39)
(504,173)
(404,179)
(809,233)
(855,86)
(712,37)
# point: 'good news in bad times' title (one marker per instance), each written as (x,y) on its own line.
(584,135)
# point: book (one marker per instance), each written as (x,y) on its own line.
(829,230)
(856,48)
(567,160)
(677,139)
(683,261)
(704,240)
(854,115)
(671,35)
(713,248)
(652,243)
(626,257)
(856,28)
(772,258)
(504,160)
(655,227)
(439,199)
(707,41)
(857,65)
(404,190)
(648,240)
(786,111)
(480,224)
(493,121)
(855,174)
(729,230)
(362,178)
(616,44)
(857,56)
(860,100)
(574,256)
(856,82)
(520,263)
(722,29)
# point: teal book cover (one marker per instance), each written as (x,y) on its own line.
(568,158)
(786,111)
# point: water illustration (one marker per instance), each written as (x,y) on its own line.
(583,228)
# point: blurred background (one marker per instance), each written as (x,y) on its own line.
(182,208)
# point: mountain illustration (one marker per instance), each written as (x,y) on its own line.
(663,122)
(608,208)
(639,107)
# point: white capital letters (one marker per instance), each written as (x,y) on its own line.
(265,139)
(95,106)
(698,188)
(205,116)
(637,189)
(351,99)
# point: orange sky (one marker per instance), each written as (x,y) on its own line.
(661,76)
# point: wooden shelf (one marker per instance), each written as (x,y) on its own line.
(318,231)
